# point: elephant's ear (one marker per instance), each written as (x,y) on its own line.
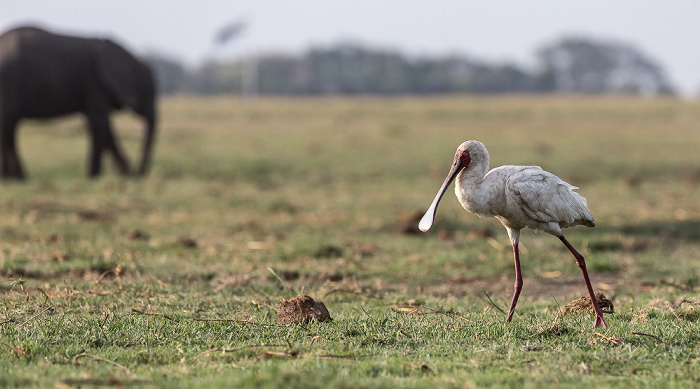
(117,73)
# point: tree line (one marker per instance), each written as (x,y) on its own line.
(568,65)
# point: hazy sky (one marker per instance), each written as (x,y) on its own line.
(668,30)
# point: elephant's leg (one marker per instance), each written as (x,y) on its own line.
(98,123)
(117,154)
(103,140)
(11,167)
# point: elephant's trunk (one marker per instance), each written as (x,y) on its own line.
(148,140)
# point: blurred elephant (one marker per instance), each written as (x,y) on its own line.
(44,75)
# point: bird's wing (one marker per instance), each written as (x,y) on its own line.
(547,198)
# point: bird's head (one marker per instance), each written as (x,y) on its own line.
(462,159)
(462,156)
(471,149)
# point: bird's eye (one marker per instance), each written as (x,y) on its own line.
(465,159)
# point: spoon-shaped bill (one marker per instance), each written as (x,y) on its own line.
(427,220)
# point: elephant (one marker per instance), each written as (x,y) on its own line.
(46,75)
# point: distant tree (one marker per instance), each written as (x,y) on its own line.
(211,78)
(584,65)
(451,74)
(281,74)
(570,65)
(351,69)
(501,78)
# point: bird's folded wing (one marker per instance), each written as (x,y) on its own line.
(547,198)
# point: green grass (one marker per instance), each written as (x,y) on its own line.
(173,280)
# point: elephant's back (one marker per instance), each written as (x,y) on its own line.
(27,41)
(41,67)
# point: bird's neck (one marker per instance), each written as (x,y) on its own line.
(468,187)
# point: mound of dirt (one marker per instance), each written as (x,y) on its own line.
(583,304)
(408,223)
(302,309)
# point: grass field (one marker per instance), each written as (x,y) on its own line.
(173,280)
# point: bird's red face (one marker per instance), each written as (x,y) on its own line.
(463,157)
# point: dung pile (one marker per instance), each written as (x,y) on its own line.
(583,304)
(302,309)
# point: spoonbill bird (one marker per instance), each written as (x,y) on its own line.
(519,197)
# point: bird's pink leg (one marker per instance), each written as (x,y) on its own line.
(518,282)
(599,321)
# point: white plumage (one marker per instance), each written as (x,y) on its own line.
(519,197)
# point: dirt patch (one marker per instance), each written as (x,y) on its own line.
(93,215)
(329,251)
(302,309)
(139,235)
(187,242)
(583,304)
(408,223)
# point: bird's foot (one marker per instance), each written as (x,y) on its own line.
(599,322)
